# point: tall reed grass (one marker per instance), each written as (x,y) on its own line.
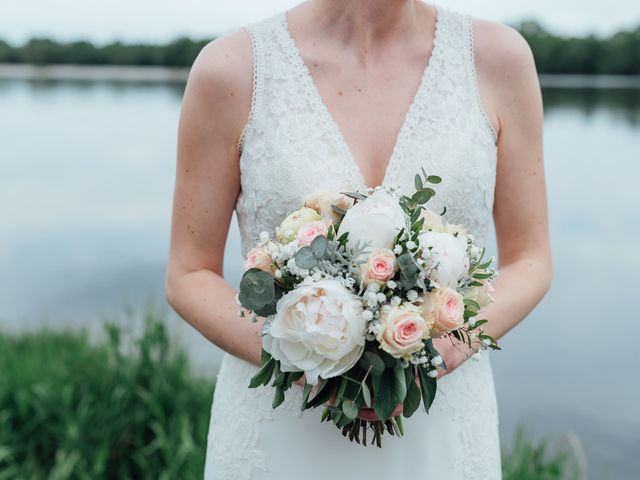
(70,409)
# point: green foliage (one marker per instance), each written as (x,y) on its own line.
(41,51)
(258,292)
(73,410)
(615,54)
(537,460)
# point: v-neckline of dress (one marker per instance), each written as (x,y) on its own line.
(321,108)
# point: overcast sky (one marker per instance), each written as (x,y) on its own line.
(162,20)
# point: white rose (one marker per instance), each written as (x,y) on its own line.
(375,220)
(449,257)
(319,329)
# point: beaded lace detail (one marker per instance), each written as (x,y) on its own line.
(292,146)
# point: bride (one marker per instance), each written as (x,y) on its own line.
(344,95)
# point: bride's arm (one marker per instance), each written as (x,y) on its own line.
(511,93)
(215,108)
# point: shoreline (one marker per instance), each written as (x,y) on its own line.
(93,73)
(155,74)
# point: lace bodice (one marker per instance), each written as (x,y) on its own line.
(291,146)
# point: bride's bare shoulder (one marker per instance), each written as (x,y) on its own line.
(506,70)
(500,47)
(220,81)
(227,60)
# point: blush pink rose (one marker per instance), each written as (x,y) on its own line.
(402,330)
(447,307)
(380,267)
(259,258)
(311,230)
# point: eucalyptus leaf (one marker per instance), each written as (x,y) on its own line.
(482,276)
(434,179)
(355,195)
(319,247)
(473,303)
(412,400)
(324,393)
(264,374)
(385,398)
(305,258)
(366,394)
(306,391)
(374,361)
(399,383)
(341,389)
(428,387)
(350,409)
(257,289)
(278,398)
(423,196)
(338,210)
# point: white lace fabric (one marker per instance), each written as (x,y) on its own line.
(291,146)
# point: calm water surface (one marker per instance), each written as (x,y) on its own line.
(86,179)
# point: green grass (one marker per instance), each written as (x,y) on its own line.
(528,459)
(130,407)
(73,410)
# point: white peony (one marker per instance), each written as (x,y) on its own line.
(318,328)
(448,256)
(375,220)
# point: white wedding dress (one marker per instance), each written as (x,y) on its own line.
(290,147)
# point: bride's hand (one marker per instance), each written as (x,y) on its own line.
(453,352)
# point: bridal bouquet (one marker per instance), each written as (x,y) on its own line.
(354,287)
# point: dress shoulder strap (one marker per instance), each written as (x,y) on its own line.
(260,33)
(459,35)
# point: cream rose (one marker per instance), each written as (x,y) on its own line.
(258,257)
(483,294)
(447,307)
(447,256)
(380,266)
(289,227)
(322,200)
(375,221)
(319,329)
(402,330)
(311,230)
(432,221)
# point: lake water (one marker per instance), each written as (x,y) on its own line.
(86,180)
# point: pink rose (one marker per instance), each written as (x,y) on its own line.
(311,230)
(259,258)
(380,267)
(447,307)
(402,330)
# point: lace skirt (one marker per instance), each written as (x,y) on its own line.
(248,440)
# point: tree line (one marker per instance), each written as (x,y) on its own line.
(615,54)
